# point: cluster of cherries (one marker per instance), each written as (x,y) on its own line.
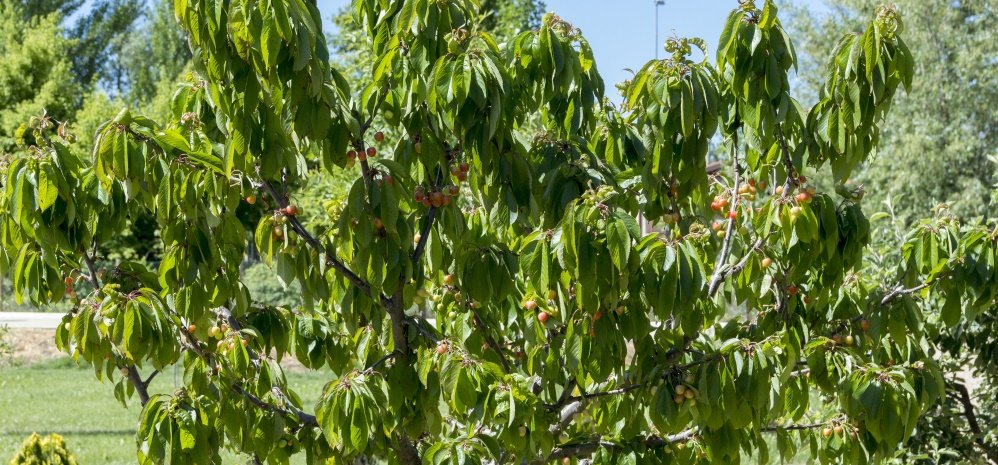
(371,152)
(442,197)
(838,430)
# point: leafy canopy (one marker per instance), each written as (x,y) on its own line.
(559,329)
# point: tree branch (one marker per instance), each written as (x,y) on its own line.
(611,392)
(788,163)
(91,269)
(722,260)
(584,449)
(900,291)
(151,376)
(140,387)
(963,396)
(431,215)
(331,259)
(792,427)
(379,362)
(303,418)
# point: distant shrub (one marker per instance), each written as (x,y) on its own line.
(266,288)
(6,350)
(48,450)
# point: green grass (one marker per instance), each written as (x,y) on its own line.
(59,397)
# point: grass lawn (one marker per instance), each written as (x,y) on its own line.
(59,397)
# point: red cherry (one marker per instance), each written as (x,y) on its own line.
(351,155)
(733,215)
(372,152)
(530,305)
(542,317)
(291,210)
(437,198)
(379,136)
(442,348)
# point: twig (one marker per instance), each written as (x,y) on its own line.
(150,378)
(900,291)
(611,392)
(379,362)
(491,341)
(141,387)
(421,329)
(799,427)
(303,417)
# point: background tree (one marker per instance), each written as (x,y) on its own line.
(97,34)
(946,126)
(154,59)
(521,244)
(36,75)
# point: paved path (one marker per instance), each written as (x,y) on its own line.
(35,320)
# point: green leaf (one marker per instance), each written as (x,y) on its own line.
(48,191)
(619,243)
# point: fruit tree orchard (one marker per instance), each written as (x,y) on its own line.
(506,213)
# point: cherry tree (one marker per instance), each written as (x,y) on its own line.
(484,294)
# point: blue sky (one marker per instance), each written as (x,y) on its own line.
(622,32)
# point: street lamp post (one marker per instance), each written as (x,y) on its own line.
(658,3)
(642,222)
